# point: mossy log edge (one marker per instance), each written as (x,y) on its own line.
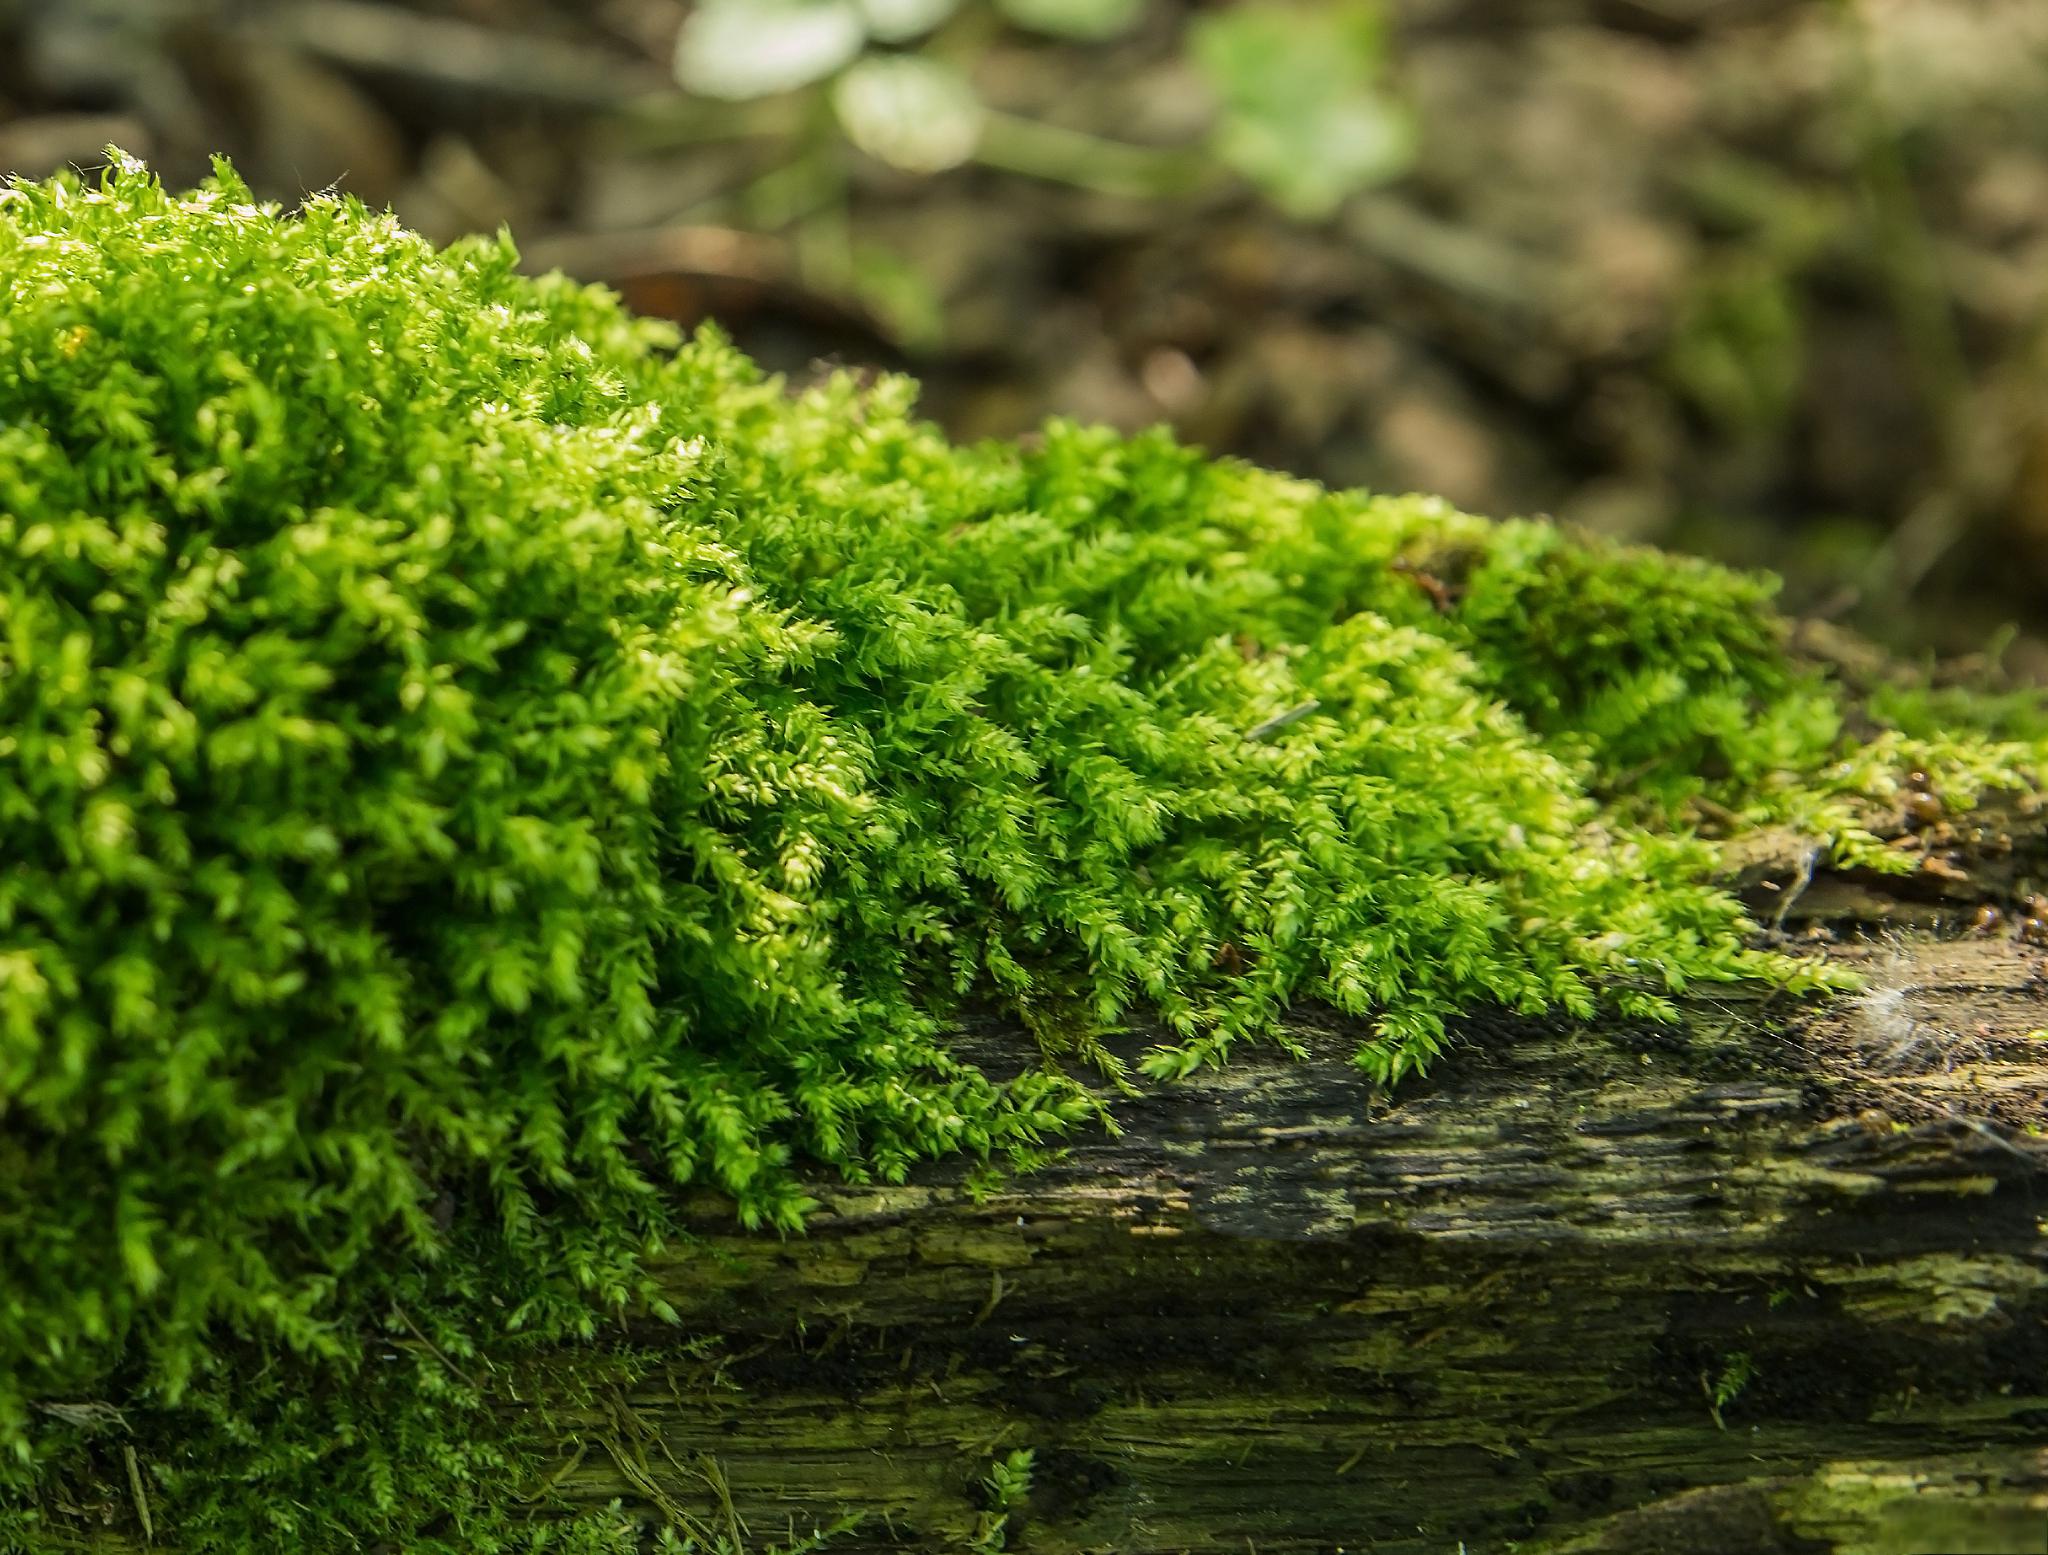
(1766,1282)
(1772,1282)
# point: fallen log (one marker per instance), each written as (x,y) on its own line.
(382,961)
(1770,1282)
(1775,1280)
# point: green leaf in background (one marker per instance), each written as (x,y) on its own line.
(754,48)
(1089,20)
(895,21)
(909,111)
(1306,113)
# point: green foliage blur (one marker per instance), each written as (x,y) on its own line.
(1302,109)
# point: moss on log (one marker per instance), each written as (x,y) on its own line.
(1772,1282)
(1768,1283)
(405,904)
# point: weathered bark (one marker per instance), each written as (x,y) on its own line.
(1284,1312)
(1771,1282)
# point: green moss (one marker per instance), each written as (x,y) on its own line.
(470,761)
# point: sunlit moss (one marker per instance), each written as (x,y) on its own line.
(470,761)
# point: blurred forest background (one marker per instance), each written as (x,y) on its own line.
(1764,279)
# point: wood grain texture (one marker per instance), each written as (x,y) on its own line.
(1281,1311)
(1773,1281)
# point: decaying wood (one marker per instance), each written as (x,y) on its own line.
(1771,1282)
(1776,1281)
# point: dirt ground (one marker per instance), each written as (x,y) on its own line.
(1760,278)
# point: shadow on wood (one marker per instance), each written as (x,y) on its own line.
(1774,1281)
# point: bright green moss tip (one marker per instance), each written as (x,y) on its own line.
(459,745)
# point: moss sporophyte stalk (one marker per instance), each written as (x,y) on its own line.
(461,745)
